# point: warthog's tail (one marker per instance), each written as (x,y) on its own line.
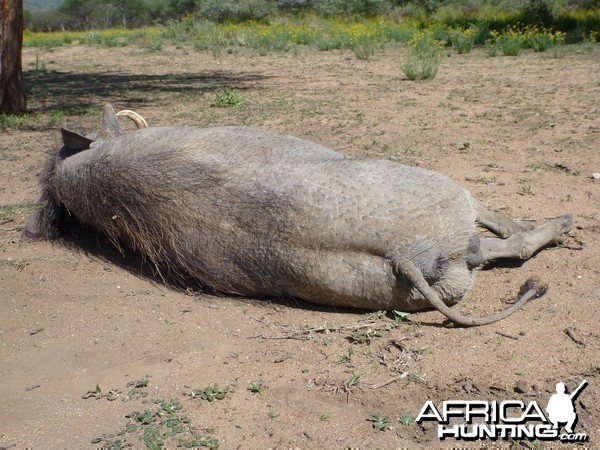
(533,288)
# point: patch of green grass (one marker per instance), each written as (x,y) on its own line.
(378,422)
(228,98)
(354,380)
(24,122)
(18,264)
(255,388)
(415,378)
(407,419)
(210,393)
(112,37)
(346,357)
(325,417)
(163,426)
(399,316)
(7,211)
(364,336)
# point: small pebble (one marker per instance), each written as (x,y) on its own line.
(595,176)
(522,387)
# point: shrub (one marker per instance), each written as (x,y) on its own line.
(462,40)
(235,10)
(228,98)
(423,58)
(538,38)
(511,41)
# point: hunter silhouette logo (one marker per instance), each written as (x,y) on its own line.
(509,419)
(561,409)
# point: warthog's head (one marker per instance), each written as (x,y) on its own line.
(46,222)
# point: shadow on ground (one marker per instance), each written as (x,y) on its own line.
(74,93)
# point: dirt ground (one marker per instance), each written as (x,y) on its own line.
(521,133)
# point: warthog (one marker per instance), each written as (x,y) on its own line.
(253,212)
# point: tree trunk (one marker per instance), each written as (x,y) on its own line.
(12,94)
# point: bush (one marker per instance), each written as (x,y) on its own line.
(234,10)
(463,40)
(511,41)
(423,58)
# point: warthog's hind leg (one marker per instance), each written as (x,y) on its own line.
(523,244)
(499,224)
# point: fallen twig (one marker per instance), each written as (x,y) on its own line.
(507,335)
(390,381)
(571,334)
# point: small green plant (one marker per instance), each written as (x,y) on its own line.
(94,393)
(378,422)
(325,417)
(525,190)
(415,378)
(491,48)
(354,380)
(228,98)
(18,264)
(141,383)
(423,58)
(364,336)
(399,316)
(272,414)
(210,393)
(346,357)
(256,388)
(407,419)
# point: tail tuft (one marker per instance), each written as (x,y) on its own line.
(536,284)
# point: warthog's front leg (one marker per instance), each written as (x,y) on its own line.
(523,244)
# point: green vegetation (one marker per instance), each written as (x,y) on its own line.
(210,393)
(407,419)
(7,211)
(163,425)
(364,36)
(228,98)
(423,58)
(378,422)
(363,27)
(255,388)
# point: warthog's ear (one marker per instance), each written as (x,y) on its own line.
(73,143)
(110,124)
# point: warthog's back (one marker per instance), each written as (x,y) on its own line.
(254,212)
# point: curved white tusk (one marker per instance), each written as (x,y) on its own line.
(139,121)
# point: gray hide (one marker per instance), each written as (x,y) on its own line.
(258,213)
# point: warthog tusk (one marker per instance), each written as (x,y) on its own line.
(136,118)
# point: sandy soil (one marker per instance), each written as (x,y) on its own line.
(522,134)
